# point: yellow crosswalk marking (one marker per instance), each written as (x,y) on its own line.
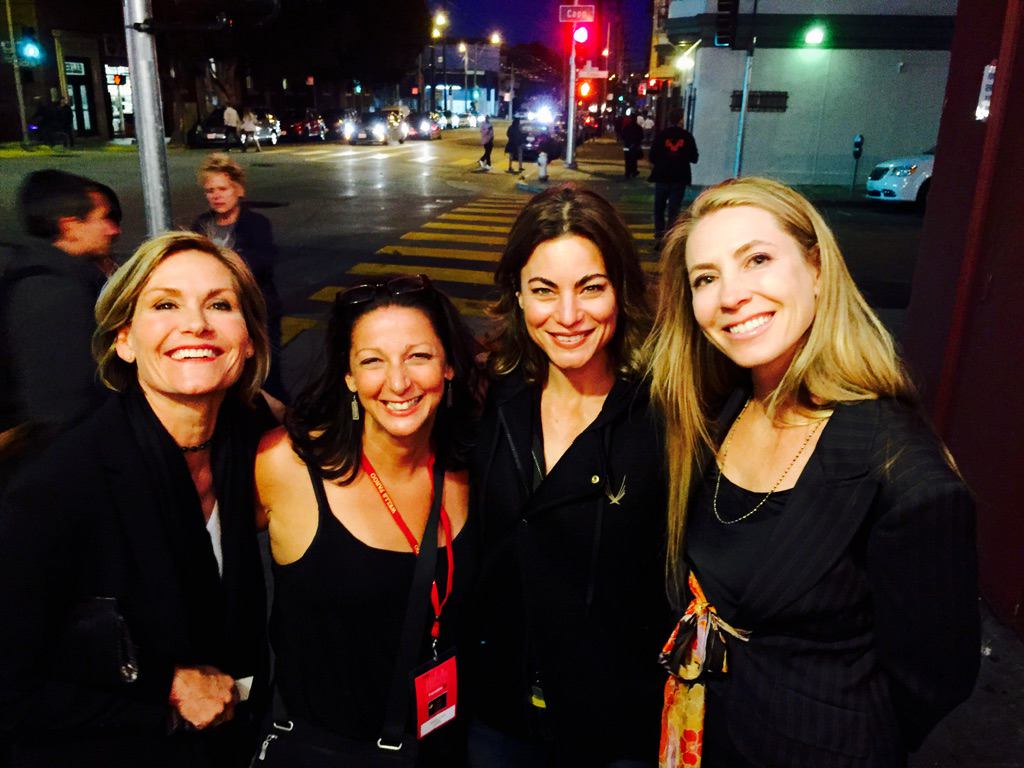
(450,237)
(438,274)
(465,227)
(475,217)
(643,236)
(460,254)
(651,266)
(293,326)
(488,210)
(641,226)
(327,293)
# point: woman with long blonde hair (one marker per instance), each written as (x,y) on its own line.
(821,544)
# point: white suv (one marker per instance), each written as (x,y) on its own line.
(905,179)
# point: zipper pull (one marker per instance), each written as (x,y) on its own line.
(266,743)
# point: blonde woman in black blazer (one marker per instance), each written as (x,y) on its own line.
(821,540)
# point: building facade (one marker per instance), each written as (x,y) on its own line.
(821,72)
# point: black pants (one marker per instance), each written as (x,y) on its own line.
(486,157)
(632,155)
(667,194)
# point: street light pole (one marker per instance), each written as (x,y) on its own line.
(17,75)
(149,115)
(748,66)
(570,113)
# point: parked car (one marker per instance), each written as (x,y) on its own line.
(335,120)
(209,132)
(303,125)
(905,179)
(376,128)
(469,120)
(542,137)
(424,125)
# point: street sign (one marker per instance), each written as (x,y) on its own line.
(593,74)
(575,13)
(7,51)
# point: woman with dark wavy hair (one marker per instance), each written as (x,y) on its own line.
(570,495)
(347,489)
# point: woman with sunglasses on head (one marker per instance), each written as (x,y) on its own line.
(369,468)
(571,605)
(827,571)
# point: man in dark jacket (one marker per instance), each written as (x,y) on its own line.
(47,294)
(672,151)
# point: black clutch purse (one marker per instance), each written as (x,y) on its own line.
(96,647)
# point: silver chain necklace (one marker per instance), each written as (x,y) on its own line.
(721,464)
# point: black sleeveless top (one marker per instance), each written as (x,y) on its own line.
(337,620)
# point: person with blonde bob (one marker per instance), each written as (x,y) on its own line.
(821,542)
(132,587)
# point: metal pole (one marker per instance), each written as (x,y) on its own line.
(465,77)
(737,166)
(570,113)
(444,67)
(149,116)
(17,75)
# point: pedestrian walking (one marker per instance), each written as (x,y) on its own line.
(821,544)
(229,223)
(249,128)
(514,147)
(672,152)
(487,140)
(632,145)
(231,125)
(47,294)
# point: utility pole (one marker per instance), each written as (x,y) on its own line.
(737,166)
(17,75)
(149,114)
(570,113)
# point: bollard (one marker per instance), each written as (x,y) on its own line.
(542,166)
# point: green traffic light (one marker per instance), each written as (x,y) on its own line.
(815,35)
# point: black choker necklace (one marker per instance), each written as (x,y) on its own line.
(196,448)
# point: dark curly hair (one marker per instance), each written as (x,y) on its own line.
(554,213)
(319,422)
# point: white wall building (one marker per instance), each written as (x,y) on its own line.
(880,71)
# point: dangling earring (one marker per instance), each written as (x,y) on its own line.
(448,396)
(355,408)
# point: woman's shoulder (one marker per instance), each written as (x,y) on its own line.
(276,452)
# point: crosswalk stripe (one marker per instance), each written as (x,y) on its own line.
(451,237)
(475,217)
(641,226)
(486,210)
(438,274)
(440,253)
(465,227)
(470,307)
(293,326)
(311,152)
(643,236)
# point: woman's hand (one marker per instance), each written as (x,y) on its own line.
(203,696)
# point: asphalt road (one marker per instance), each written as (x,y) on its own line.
(342,214)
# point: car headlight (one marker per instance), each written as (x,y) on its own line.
(904,170)
(348,130)
(379,131)
(424,127)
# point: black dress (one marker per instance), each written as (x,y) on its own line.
(335,629)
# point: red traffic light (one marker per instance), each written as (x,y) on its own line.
(581,34)
(585,88)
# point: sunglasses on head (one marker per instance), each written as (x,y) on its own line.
(396,286)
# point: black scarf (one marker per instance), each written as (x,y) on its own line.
(223,619)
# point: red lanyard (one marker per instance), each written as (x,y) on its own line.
(446,525)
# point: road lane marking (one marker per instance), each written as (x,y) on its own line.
(440,253)
(465,227)
(311,152)
(451,237)
(438,274)
(293,326)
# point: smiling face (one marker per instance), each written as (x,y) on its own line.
(754,289)
(187,337)
(397,368)
(222,194)
(569,305)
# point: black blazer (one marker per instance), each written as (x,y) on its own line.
(863,612)
(571,594)
(78,523)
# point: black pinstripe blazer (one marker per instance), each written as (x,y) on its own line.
(863,611)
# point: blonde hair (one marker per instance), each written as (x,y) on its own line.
(846,356)
(116,307)
(220,162)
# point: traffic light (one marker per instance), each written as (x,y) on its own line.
(30,52)
(725,23)
(654,84)
(585,89)
(581,34)
(858,146)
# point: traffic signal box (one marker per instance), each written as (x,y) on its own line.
(725,23)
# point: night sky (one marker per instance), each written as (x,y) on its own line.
(526,21)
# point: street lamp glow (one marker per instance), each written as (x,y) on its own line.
(462,47)
(435,33)
(604,52)
(440,20)
(684,63)
(815,35)
(495,38)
